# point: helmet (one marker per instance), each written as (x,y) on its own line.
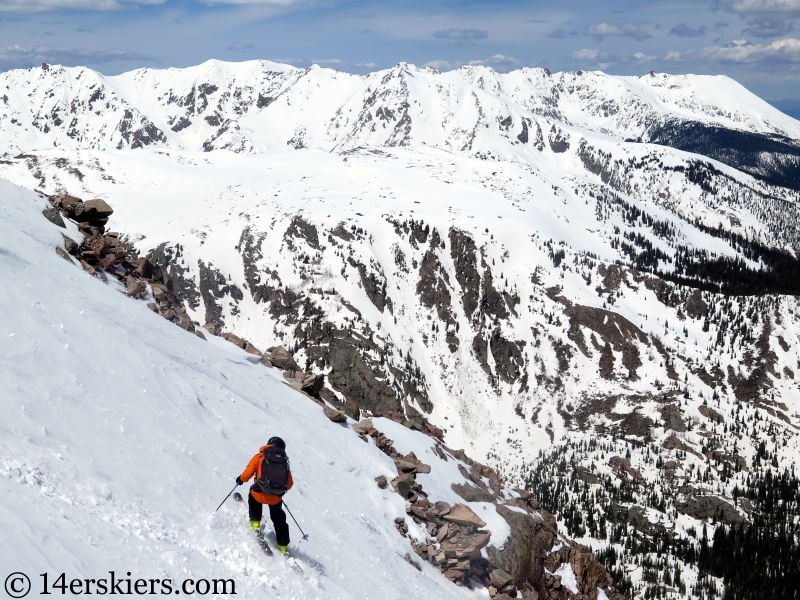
(276,441)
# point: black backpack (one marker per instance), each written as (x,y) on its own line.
(274,472)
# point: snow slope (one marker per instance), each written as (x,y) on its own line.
(121,433)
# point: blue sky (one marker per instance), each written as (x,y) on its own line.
(756,42)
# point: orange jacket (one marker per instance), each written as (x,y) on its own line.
(254,468)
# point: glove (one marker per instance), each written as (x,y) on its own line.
(238,481)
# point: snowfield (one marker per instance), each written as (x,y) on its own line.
(121,433)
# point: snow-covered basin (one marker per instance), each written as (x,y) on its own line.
(121,433)
(437,484)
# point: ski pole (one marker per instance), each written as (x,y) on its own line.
(305,535)
(226,497)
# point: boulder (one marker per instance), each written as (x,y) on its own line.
(96,209)
(442,508)
(144,269)
(402,484)
(280,358)
(63,200)
(381,481)
(185,322)
(463,515)
(313,384)
(233,339)
(499,578)
(70,245)
(133,286)
(250,349)
(213,328)
(334,415)
(404,466)
(363,427)
(63,254)
(52,215)
(266,361)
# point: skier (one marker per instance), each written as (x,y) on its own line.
(273,480)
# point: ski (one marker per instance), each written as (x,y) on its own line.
(262,541)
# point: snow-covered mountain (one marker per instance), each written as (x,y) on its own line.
(260,106)
(530,261)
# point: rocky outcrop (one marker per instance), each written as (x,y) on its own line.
(107,255)
(706,508)
(456,537)
(465,259)
(214,287)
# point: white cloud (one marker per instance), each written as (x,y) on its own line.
(439,65)
(586,54)
(499,62)
(683,30)
(782,51)
(329,61)
(766,18)
(45,5)
(602,30)
(369,65)
(18,56)
(643,58)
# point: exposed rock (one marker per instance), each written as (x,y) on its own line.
(213,288)
(710,507)
(614,329)
(334,415)
(62,253)
(402,484)
(586,475)
(299,228)
(54,216)
(281,359)
(212,328)
(461,514)
(696,306)
(241,343)
(313,384)
(672,415)
(70,245)
(169,268)
(710,414)
(499,578)
(464,255)
(636,516)
(381,481)
(622,468)
(363,427)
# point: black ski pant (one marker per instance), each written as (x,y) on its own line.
(275,513)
